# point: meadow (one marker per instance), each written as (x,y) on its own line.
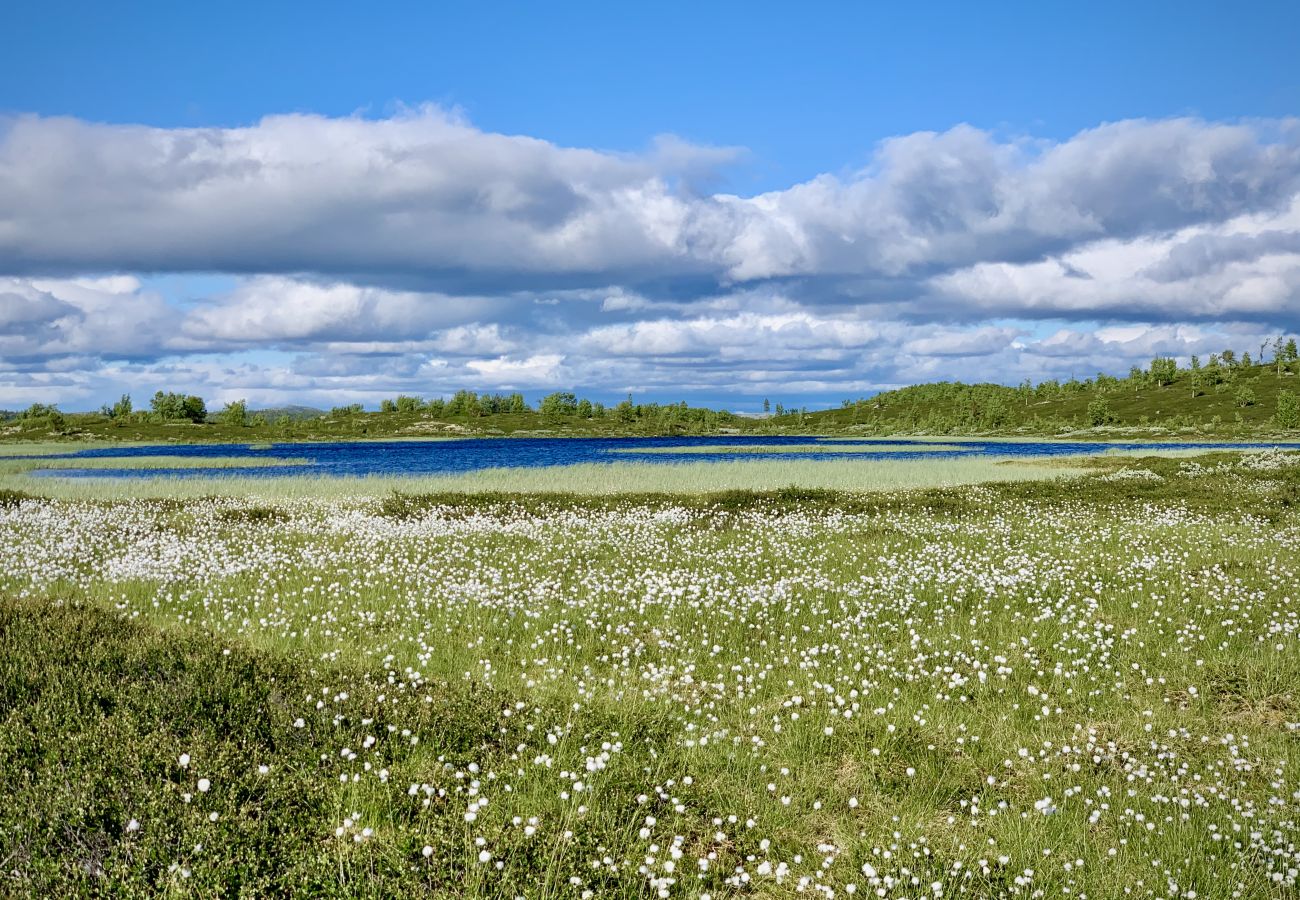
(1077,681)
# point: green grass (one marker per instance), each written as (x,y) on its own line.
(1139,409)
(1093,669)
(114,703)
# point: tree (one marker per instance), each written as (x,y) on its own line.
(1195,377)
(407,405)
(767,406)
(625,411)
(996,412)
(584,409)
(387,406)
(1287,414)
(121,409)
(1136,377)
(173,407)
(462,403)
(1244,397)
(42,414)
(234,414)
(560,403)
(1099,413)
(1163,370)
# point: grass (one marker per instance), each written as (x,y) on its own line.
(10,466)
(1072,687)
(1138,408)
(122,704)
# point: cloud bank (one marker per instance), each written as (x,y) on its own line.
(420,253)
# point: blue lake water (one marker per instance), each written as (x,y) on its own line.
(403,458)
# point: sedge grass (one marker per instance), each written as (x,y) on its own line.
(585,478)
(17,466)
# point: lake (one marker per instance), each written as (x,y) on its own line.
(423,457)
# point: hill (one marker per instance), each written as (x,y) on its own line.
(1236,398)
(1227,398)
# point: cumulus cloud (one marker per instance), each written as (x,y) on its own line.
(422,192)
(1245,267)
(426,195)
(418,253)
(46,321)
(276,310)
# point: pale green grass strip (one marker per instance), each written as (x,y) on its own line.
(586,478)
(20,466)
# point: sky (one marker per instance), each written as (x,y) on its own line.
(720,202)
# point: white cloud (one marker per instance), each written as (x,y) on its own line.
(421,254)
(279,310)
(534,371)
(424,194)
(1245,266)
(46,320)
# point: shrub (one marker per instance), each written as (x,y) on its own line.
(1287,414)
(235,414)
(1099,413)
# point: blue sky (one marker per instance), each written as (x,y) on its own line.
(720,201)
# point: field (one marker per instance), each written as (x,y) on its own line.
(1082,685)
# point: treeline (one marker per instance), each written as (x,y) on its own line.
(1228,390)
(561,407)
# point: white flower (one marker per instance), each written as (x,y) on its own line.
(204,785)
(427,851)
(484,856)
(185,760)
(133,825)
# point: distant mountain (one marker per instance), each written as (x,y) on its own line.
(297,413)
